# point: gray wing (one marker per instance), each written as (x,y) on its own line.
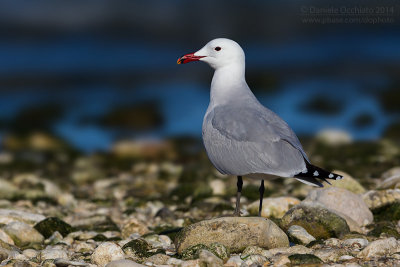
(242,140)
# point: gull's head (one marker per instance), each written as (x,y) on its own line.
(217,53)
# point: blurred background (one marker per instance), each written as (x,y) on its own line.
(82,76)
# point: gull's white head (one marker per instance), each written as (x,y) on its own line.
(217,53)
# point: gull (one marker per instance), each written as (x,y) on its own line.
(241,136)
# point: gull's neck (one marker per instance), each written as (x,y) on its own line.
(229,84)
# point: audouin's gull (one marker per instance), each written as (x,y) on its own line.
(241,136)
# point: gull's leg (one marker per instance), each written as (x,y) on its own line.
(261,190)
(238,194)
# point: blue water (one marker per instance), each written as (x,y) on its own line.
(183,101)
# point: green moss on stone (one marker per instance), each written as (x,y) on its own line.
(52,224)
(220,251)
(316,220)
(99,237)
(138,248)
(193,252)
(387,228)
(300,259)
(389,212)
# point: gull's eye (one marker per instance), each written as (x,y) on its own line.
(217,48)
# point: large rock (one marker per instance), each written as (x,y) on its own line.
(23,234)
(342,202)
(236,233)
(376,199)
(348,183)
(382,247)
(318,221)
(273,207)
(107,252)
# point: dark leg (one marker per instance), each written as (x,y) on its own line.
(238,194)
(261,190)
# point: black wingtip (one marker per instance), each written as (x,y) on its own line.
(313,173)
